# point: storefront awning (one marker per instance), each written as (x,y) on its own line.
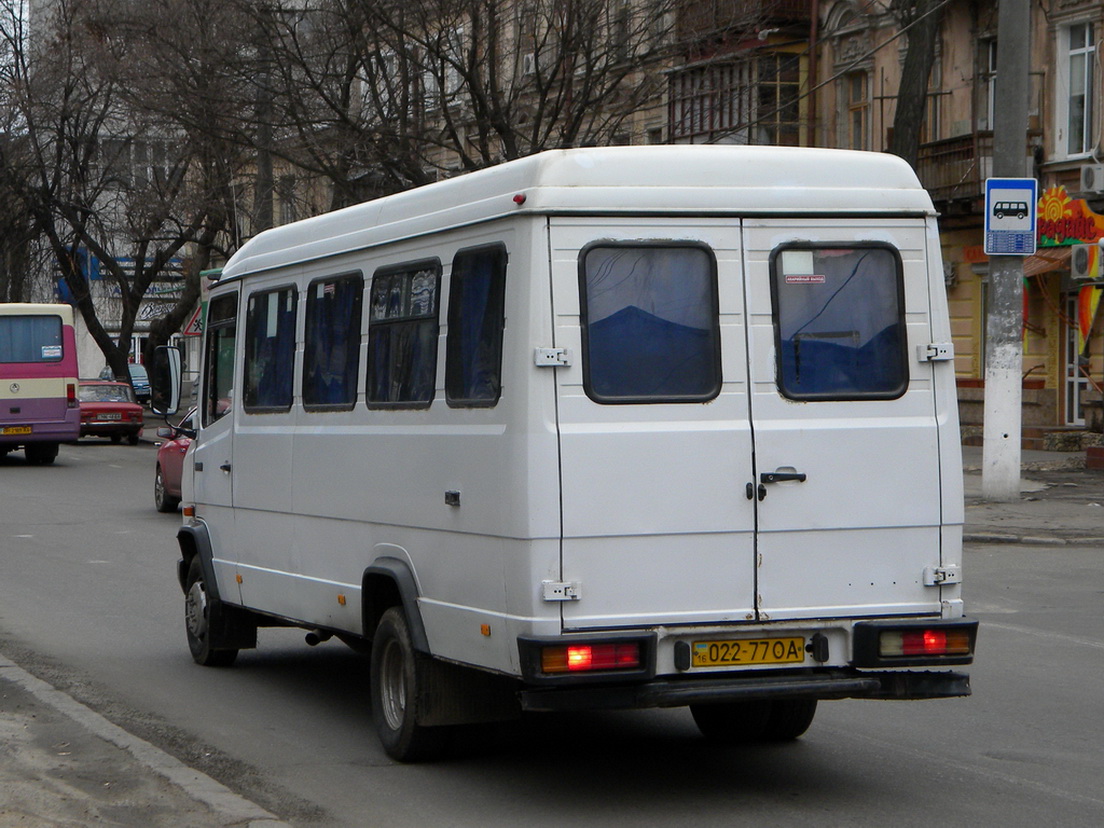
(1046,260)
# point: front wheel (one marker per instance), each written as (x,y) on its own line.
(398,675)
(197,621)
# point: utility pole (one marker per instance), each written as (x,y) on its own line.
(1001,452)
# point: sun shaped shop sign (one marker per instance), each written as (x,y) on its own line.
(1064,221)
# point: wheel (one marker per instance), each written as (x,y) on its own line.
(733,723)
(789,718)
(41,454)
(197,616)
(116,439)
(164,501)
(398,674)
(133,438)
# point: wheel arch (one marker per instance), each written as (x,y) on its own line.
(195,541)
(387,583)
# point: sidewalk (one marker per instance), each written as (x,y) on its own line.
(1061,502)
(64,764)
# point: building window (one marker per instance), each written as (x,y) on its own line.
(650,323)
(856,130)
(331,349)
(988,84)
(1080,75)
(402,335)
(269,350)
(476,317)
(750,101)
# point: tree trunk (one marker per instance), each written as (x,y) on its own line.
(912,96)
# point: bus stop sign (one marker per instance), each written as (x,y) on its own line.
(1010,216)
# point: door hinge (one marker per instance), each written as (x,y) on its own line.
(552,357)
(561,590)
(941,575)
(935,352)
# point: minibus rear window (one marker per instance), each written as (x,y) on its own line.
(839,322)
(30,339)
(650,323)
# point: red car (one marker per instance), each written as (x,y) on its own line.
(170,462)
(109,409)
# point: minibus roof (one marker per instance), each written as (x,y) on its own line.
(669,180)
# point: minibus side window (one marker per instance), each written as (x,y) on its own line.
(650,323)
(218,368)
(331,354)
(839,322)
(402,335)
(269,350)
(476,317)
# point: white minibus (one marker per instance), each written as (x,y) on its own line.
(598,428)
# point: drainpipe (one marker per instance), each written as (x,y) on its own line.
(814,25)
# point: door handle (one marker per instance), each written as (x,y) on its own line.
(780,476)
(225,467)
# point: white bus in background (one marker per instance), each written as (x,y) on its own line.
(598,428)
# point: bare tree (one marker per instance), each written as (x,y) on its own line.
(380,96)
(120,193)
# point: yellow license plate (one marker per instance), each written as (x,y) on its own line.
(738,652)
(16,430)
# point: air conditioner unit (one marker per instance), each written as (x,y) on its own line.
(1085,262)
(1092,178)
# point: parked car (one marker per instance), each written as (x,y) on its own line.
(109,409)
(170,462)
(139,378)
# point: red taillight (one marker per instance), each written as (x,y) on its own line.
(71,395)
(579,658)
(922,642)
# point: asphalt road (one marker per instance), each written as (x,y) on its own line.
(89,602)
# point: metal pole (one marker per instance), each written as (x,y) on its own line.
(1001,453)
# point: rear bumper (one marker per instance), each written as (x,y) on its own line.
(814,684)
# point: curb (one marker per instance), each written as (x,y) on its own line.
(1031,540)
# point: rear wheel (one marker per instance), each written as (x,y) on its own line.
(41,454)
(398,675)
(789,719)
(197,621)
(761,720)
(732,723)
(164,501)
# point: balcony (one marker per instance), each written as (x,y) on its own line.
(704,19)
(954,170)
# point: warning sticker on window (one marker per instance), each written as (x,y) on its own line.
(805,279)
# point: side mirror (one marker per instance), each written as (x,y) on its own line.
(164,377)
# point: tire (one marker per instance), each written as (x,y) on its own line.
(197,617)
(133,438)
(733,723)
(789,718)
(40,454)
(164,501)
(398,675)
(116,439)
